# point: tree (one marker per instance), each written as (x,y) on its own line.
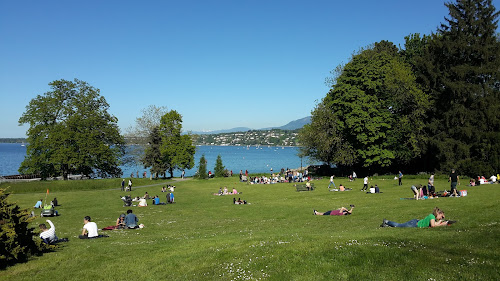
(219,170)
(461,73)
(372,116)
(139,137)
(152,157)
(16,236)
(201,173)
(71,131)
(177,150)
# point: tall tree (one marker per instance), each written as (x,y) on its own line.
(463,78)
(219,167)
(152,157)
(71,131)
(201,173)
(140,138)
(372,116)
(177,150)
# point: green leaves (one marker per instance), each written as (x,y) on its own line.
(71,131)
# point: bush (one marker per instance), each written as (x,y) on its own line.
(16,237)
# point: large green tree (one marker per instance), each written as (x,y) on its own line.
(177,150)
(372,116)
(71,131)
(460,69)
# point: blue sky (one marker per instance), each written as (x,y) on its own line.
(220,64)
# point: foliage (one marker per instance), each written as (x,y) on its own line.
(372,116)
(219,170)
(177,150)
(152,157)
(71,131)
(140,136)
(17,242)
(460,69)
(201,173)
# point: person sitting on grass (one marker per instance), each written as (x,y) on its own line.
(120,222)
(342,211)
(432,220)
(142,202)
(146,195)
(48,235)
(89,229)
(131,220)
(38,204)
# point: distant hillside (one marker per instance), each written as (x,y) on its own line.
(293,125)
(297,124)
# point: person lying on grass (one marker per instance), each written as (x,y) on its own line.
(432,220)
(342,211)
(239,201)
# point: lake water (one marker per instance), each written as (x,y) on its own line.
(254,159)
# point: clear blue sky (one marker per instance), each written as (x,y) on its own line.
(220,64)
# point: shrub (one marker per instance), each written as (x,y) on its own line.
(16,237)
(219,170)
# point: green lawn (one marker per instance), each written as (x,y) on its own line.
(276,237)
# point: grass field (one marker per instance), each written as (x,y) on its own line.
(275,237)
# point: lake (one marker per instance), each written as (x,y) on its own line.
(255,159)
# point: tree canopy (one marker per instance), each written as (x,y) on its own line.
(71,131)
(372,116)
(167,148)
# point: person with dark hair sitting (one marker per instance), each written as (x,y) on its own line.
(89,229)
(48,235)
(131,220)
(120,222)
(342,211)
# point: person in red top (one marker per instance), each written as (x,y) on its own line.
(342,211)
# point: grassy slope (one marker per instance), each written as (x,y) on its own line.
(276,237)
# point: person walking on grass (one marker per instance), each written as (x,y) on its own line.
(454,179)
(365,184)
(331,182)
(400,178)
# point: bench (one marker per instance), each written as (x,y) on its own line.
(302,187)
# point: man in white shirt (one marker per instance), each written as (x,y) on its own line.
(89,229)
(493,179)
(48,235)
(331,182)
(365,184)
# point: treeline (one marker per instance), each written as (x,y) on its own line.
(12,140)
(431,105)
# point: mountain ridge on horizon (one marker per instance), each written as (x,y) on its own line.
(292,125)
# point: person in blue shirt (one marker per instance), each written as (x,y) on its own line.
(38,204)
(131,220)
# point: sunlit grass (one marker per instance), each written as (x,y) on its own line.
(275,237)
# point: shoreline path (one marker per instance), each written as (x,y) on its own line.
(162,183)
